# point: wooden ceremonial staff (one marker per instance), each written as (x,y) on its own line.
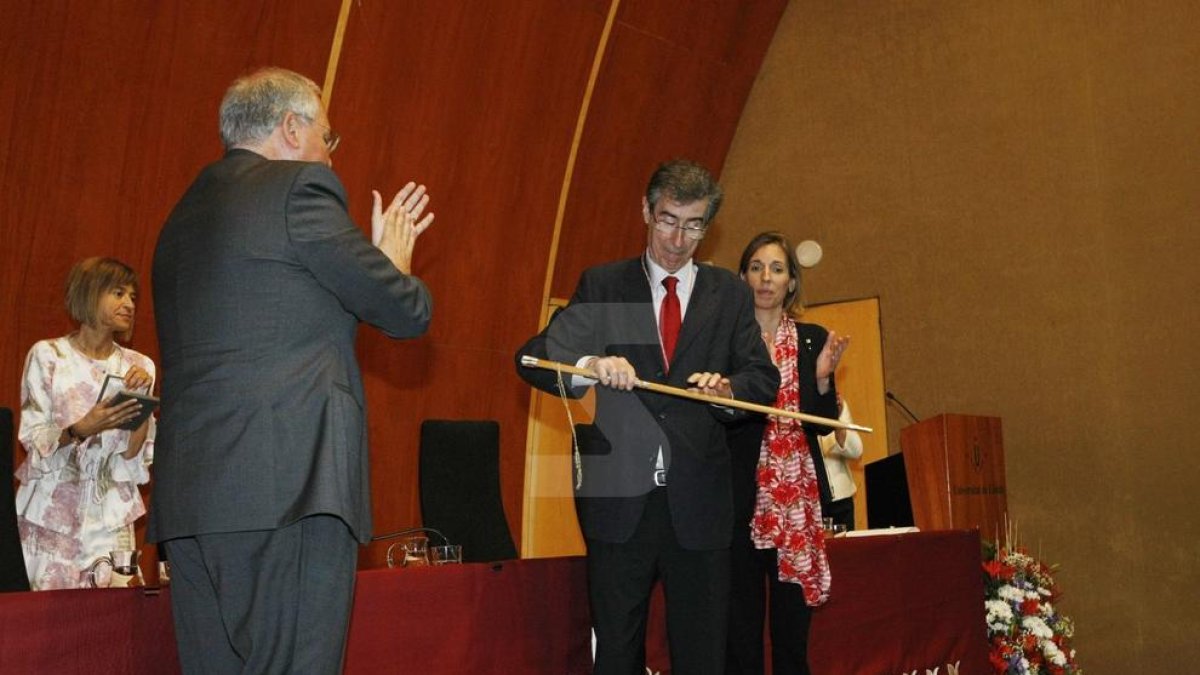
(534,362)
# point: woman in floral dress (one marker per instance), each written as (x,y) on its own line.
(78,496)
(778,549)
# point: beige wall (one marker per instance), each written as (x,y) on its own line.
(1019,183)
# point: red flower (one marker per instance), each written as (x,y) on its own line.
(998,662)
(993,568)
(785,495)
(1029,607)
(766,522)
(999,570)
(797,540)
(786,569)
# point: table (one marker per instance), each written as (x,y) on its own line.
(523,616)
(899,603)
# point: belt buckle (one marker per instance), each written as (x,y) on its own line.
(660,477)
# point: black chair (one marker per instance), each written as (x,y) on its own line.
(12,561)
(460,487)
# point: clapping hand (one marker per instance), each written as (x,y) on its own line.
(396,229)
(831,355)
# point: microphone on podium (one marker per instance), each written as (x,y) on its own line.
(892,397)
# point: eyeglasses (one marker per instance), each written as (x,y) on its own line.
(330,138)
(667,223)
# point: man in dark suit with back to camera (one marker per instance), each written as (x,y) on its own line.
(261,486)
(652,488)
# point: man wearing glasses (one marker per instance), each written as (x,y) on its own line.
(652,482)
(261,489)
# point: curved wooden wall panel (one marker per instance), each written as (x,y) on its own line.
(108,111)
(478,100)
(672,85)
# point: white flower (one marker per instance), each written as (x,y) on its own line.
(1036,626)
(1053,653)
(1009,593)
(999,614)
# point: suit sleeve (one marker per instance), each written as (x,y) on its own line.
(339,256)
(568,325)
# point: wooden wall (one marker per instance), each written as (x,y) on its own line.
(1018,184)
(534,123)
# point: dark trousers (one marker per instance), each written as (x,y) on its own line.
(754,580)
(695,583)
(264,601)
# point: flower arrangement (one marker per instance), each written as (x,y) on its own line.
(1026,633)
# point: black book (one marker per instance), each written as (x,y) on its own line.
(113,389)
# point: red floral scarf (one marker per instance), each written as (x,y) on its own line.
(787,513)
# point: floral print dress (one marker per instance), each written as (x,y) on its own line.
(78,501)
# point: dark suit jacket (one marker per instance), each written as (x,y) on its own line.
(260,279)
(612,314)
(745,436)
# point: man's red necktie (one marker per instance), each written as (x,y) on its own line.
(669,319)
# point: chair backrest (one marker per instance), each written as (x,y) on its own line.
(460,487)
(12,561)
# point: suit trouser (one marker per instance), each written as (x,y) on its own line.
(695,583)
(753,574)
(264,601)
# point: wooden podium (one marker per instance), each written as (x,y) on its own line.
(955,470)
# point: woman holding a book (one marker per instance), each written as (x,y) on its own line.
(89,443)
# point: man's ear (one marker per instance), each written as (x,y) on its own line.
(646,210)
(290,126)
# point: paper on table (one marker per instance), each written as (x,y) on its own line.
(882,530)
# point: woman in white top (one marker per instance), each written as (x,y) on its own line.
(78,496)
(836,448)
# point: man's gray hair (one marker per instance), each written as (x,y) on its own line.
(255,104)
(684,181)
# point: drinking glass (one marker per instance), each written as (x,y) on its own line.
(446,554)
(416,552)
